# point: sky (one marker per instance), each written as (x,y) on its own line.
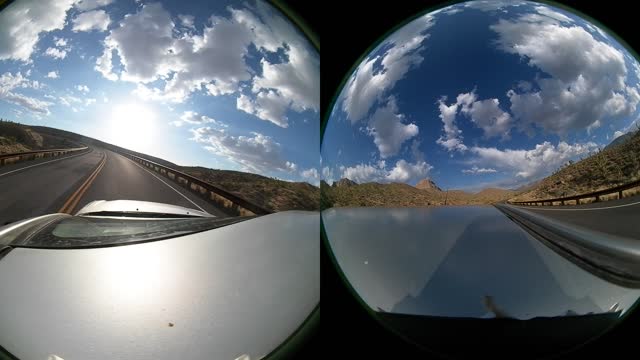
(481,94)
(224,84)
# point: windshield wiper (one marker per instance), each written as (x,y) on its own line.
(137,214)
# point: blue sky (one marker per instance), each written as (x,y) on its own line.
(223,84)
(481,94)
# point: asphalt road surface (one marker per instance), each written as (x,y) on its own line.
(617,217)
(46,186)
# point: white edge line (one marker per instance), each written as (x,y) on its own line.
(154,175)
(42,163)
(588,209)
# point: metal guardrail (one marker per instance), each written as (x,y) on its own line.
(228,201)
(37,154)
(614,258)
(596,194)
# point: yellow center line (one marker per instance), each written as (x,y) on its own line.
(73,200)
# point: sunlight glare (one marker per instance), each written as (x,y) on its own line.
(132,126)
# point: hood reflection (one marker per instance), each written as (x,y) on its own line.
(470,262)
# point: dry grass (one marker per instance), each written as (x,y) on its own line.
(610,167)
(16,137)
(272,194)
(403,195)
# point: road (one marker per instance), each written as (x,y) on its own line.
(68,183)
(617,217)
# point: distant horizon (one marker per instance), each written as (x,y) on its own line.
(468,190)
(153,155)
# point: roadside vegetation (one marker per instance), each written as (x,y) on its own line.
(616,164)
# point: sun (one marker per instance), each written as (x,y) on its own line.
(132,126)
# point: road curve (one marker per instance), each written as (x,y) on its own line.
(616,217)
(123,179)
(27,191)
(34,188)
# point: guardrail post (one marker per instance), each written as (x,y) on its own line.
(620,194)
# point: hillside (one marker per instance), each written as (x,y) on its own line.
(614,165)
(401,195)
(15,137)
(426,184)
(620,139)
(272,194)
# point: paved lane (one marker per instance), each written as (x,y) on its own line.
(123,179)
(47,186)
(42,189)
(617,217)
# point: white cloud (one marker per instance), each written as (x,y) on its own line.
(491,5)
(291,167)
(294,82)
(587,77)
(617,134)
(594,29)
(245,104)
(104,64)
(192,117)
(9,82)
(89,101)
(187,21)
(327,174)
(24,21)
(269,105)
(68,100)
(55,53)
(549,12)
(403,171)
(450,10)
(92,20)
(83,88)
(60,42)
(594,125)
(85,5)
(636,67)
(311,175)
(452,138)
(534,163)
(53,74)
(388,131)
(487,115)
(365,87)
(362,173)
(150,49)
(255,153)
(476,170)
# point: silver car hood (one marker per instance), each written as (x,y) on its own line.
(138,206)
(236,292)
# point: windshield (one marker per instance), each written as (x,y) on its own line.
(78,231)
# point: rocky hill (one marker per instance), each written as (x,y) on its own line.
(16,137)
(425,193)
(427,184)
(270,193)
(614,165)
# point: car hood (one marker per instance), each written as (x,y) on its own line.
(236,292)
(134,206)
(471,262)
